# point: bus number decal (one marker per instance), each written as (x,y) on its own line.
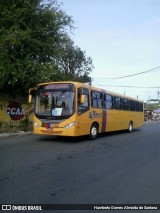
(94,114)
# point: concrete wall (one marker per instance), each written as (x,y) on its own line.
(13,112)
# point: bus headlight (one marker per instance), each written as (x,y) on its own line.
(70,125)
(36,124)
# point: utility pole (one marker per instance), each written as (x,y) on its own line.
(90,81)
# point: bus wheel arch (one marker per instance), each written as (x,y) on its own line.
(94,130)
(130,126)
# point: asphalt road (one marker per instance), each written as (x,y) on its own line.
(117,168)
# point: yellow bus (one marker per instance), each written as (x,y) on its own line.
(74,109)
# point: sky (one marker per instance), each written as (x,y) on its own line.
(123,38)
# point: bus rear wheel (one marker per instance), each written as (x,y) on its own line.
(130,127)
(93,132)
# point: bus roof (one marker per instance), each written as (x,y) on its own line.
(79,84)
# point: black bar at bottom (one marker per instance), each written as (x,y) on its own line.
(95,207)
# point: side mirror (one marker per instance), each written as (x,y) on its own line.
(32,92)
(82,100)
(30,99)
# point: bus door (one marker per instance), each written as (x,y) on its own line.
(83,107)
(108,106)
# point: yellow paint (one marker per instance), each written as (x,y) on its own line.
(14,112)
(105,119)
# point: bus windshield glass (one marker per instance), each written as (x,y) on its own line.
(54,103)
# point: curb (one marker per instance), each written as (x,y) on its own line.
(21,133)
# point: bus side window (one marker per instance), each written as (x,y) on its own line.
(108,101)
(137,104)
(117,102)
(141,107)
(96,99)
(125,104)
(85,106)
(132,106)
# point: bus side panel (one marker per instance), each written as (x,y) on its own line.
(119,120)
(110,122)
(86,119)
(138,119)
(116,120)
(83,126)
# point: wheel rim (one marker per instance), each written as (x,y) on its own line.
(94,131)
(130,127)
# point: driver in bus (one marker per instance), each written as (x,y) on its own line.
(65,109)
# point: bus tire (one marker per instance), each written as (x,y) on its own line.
(93,131)
(130,127)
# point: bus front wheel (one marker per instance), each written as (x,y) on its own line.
(93,132)
(130,127)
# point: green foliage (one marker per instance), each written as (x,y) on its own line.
(24,125)
(1,124)
(35,46)
(151,106)
(73,62)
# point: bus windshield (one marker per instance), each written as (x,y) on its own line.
(56,103)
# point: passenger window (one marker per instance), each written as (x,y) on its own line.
(96,99)
(137,106)
(141,107)
(132,106)
(108,101)
(117,102)
(125,104)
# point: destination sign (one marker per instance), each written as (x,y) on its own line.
(56,86)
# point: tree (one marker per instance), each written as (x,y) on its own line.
(31,35)
(72,62)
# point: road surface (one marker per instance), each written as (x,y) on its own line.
(117,168)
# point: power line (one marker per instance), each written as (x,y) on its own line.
(151,87)
(127,76)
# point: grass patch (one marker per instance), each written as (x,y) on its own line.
(23,125)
